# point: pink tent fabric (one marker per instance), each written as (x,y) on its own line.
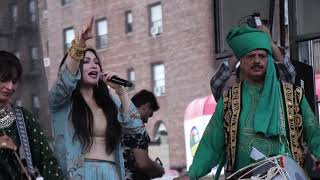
(317,84)
(199,107)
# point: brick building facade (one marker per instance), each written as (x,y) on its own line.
(164,46)
(19,34)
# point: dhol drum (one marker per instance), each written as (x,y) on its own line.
(273,168)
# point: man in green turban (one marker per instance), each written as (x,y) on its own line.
(259,112)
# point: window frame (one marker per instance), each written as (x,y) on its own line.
(99,45)
(129,70)
(153,80)
(34,61)
(65,48)
(32,15)
(14,13)
(66,2)
(128,25)
(35,110)
(150,18)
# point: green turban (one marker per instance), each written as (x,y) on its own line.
(242,41)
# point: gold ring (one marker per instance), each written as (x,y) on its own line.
(3,144)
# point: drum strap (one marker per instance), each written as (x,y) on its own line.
(23,137)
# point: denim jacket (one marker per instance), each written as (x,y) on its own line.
(67,149)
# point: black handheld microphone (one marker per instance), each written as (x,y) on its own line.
(120,81)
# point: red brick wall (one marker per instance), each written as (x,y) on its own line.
(185,47)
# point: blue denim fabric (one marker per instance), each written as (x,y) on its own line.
(99,170)
(67,149)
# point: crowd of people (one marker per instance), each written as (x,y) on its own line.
(99,134)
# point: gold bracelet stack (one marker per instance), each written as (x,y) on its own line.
(76,51)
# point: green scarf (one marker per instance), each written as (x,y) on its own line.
(243,40)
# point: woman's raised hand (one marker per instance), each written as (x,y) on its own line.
(86,33)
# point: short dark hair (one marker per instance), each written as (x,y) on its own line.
(143,97)
(10,66)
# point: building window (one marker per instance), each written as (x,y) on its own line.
(35,102)
(155,19)
(33,10)
(160,130)
(65,2)
(14,13)
(158,75)
(102,33)
(131,78)
(68,35)
(35,105)
(34,54)
(129,21)
(226,15)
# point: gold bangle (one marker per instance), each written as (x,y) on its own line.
(76,51)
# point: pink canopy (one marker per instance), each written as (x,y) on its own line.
(317,84)
(200,107)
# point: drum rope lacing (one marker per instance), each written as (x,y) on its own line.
(7,117)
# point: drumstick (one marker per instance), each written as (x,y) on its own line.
(18,159)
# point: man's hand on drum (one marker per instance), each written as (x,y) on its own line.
(7,143)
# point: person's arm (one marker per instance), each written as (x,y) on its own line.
(42,155)
(221,76)
(130,120)
(145,164)
(287,71)
(73,61)
(211,147)
(120,91)
(61,91)
(138,144)
(276,52)
(68,75)
(124,99)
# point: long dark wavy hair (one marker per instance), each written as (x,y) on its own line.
(82,117)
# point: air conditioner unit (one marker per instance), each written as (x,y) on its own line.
(156,30)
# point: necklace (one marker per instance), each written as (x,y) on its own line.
(6,117)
